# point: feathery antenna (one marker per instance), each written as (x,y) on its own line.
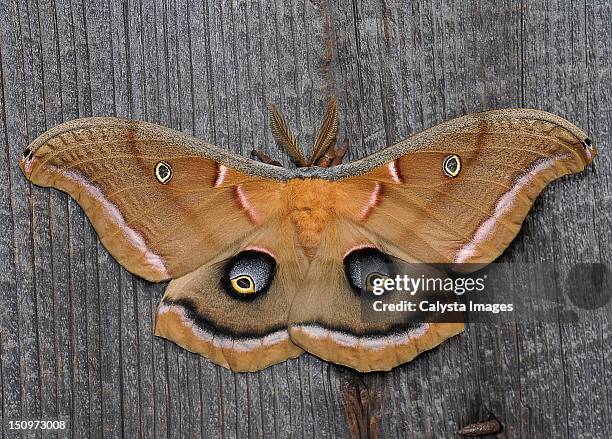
(284,136)
(328,133)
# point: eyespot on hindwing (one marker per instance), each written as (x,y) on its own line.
(365,265)
(249,274)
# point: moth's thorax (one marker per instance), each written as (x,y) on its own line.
(308,203)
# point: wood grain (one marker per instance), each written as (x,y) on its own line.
(76,331)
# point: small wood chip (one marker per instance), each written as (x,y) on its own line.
(481,428)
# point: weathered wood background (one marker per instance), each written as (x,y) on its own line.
(77,330)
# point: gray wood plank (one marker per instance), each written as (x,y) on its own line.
(76,330)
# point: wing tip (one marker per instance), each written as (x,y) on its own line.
(578,140)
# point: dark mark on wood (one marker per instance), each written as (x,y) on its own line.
(329,51)
(362,406)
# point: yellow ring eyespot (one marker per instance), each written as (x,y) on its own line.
(452,165)
(163,172)
(370,278)
(243,284)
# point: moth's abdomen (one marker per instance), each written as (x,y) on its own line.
(309,204)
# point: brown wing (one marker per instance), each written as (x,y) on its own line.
(501,160)
(457,193)
(165,206)
(242,331)
(160,201)
(328,316)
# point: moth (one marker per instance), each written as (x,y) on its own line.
(265,262)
